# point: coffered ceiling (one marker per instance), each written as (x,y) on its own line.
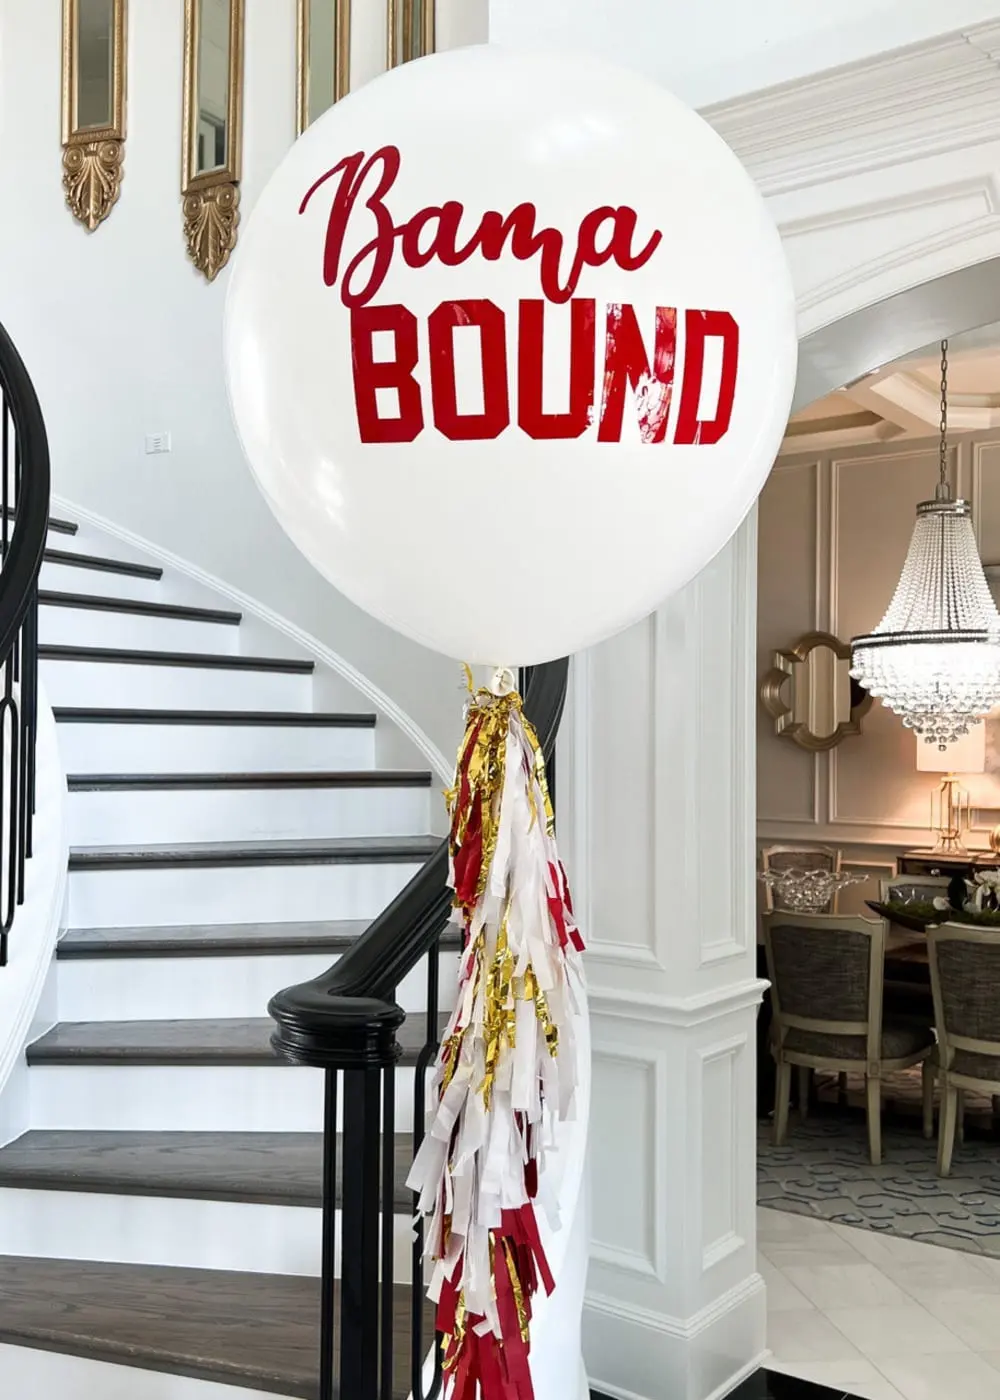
(903,400)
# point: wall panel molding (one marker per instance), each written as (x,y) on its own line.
(722,1150)
(641,1176)
(678,1012)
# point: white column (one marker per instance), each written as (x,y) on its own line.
(657,815)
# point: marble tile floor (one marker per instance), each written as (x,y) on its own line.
(877,1316)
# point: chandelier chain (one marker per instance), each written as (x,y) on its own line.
(943,461)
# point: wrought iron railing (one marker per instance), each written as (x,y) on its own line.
(375,1338)
(24,505)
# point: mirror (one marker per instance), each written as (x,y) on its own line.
(411,25)
(95,41)
(213,141)
(810,694)
(93,106)
(210,133)
(324,75)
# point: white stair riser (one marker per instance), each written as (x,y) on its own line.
(69,578)
(86,683)
(126,815)
(172,988)
(93,627)
(32,1374)
(190,1098)
(233,894)
(213,748)
(176,1232)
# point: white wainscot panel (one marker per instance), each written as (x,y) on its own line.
(722,1151)
(619,798)
(624,1160)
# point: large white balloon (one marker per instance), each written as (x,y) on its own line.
(510,343)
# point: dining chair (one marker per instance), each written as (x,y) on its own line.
(965,975)
(906,888)
(800,858)
(826,973)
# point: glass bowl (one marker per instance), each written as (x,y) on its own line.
(807,891)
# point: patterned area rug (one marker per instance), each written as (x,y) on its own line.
(823,1170)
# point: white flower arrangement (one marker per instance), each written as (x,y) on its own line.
(986,894)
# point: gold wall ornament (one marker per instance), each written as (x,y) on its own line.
(93,106)
(211,218)
(810,695)
(212,156)
(410,25)
(324,58)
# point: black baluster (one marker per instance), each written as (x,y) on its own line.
(388,1225)
(23,767)
(328,1295)
(418,1343)
(5,880)
(10,830)
(29,707)
(359,1260)
(5,485)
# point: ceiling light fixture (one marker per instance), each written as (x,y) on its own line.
(934,659)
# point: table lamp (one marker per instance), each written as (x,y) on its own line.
(950,807)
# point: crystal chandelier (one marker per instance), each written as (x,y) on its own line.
(934,659)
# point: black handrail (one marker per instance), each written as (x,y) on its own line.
(345,1022)
(24,503)
(310,1016)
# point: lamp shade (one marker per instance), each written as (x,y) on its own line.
(966,754)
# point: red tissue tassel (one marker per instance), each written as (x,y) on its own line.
(507,1068)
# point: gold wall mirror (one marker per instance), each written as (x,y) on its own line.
(93,106)
(410,29)
(212,130)
(324,75)
(810,695)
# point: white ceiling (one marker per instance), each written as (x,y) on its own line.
(903,400)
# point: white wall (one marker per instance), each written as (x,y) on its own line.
(717,50)
(123,337)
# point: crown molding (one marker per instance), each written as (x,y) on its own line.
(926,99)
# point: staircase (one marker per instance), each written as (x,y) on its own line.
(227,840)
(196,1199)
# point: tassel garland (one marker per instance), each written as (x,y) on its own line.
(507,1069)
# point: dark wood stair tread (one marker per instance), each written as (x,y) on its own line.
(259,1331)
(203,940)
(53,598)
(221,940)
(102,564)
(294,719)
(258,1168)
(59,527)
(198,660)
(232,1041)
(162,782)
(336,850)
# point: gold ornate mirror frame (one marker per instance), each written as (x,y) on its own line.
(324,58)
(795,713)
(411,30)
(93,79)
(210,189)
